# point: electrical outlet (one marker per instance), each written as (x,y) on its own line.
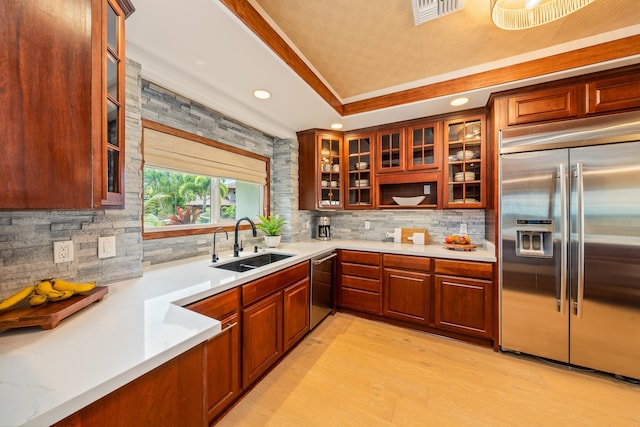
(63,251)
(106,247)
(367,225)
(463,228)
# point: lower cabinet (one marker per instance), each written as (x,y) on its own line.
(359,287)
(296,316)
(275,316)
(406,287)
(450,297)
(462,303)
(222,352)
(169,395)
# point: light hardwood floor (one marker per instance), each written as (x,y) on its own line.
(355,372)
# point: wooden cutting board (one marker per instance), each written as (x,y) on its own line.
(454,247)
(48,315)
(408,232)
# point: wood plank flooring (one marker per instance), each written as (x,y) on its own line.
(355,372)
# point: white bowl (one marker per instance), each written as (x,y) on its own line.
(361,183)
(464,155)
(464,176)
(408,201)
(362,165)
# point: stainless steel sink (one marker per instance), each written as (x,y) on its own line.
(251,263)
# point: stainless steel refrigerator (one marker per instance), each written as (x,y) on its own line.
(570,242)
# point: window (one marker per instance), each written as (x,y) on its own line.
(192,184)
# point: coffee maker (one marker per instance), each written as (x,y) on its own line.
(323,231)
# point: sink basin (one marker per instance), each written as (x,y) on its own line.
(251,263)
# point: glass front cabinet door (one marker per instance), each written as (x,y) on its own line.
(359,161)
(424,146)
(465,165)
(330,167)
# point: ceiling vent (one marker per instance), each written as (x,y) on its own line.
(426,10)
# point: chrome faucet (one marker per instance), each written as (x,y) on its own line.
(237,248)
(214,257)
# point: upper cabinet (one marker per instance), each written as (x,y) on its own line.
(112,88)
(409,166)
(391,151)
(54,104)
(424,142)
(360,178)
(464,174)
(321,170)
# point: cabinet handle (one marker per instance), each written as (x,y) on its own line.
(230,325)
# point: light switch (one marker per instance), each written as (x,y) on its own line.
(106,247)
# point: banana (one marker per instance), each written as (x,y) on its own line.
(63,285)
(37,299)
(17,297)
(61,296)
(46,288)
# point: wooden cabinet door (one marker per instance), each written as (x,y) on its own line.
(390,154)
(261,337)
(543,105)
(617,93)
(423,146)
(296,312)
(169,395)
(222,367)
(406,295)
(464,305)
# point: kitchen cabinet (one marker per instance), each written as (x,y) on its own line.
(222,352)
(464,297)
(465,165)
(406,287)
(613,94)
(321,171)
(360,281)
(296,315)
(64,125)
(169,395)
(390,150)
(543,105)
(424,146)
(275,312)
(361,179)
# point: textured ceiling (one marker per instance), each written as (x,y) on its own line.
(362,47)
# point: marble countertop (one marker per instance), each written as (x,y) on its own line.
(46,375)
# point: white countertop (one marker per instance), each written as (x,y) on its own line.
(46,375)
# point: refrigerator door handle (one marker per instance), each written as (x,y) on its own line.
(580,228)
(564,225)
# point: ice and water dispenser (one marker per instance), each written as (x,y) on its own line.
(534,238)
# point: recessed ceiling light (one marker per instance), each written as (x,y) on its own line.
(459,101)
(336,126)
(262,94)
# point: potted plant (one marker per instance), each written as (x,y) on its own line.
(271,227)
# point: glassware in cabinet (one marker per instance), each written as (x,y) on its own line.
(330,172)
(464,159)
(359,161)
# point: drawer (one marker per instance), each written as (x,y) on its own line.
(360,257)
(356,299)
(481,270)
(253,291)
(360,283)
(407,262)
(218,306)
(359,270)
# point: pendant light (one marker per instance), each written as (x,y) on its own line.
(523,14)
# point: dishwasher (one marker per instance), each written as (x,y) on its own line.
(321,300)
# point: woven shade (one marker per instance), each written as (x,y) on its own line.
(167,151)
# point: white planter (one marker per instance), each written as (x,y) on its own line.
(272,241)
